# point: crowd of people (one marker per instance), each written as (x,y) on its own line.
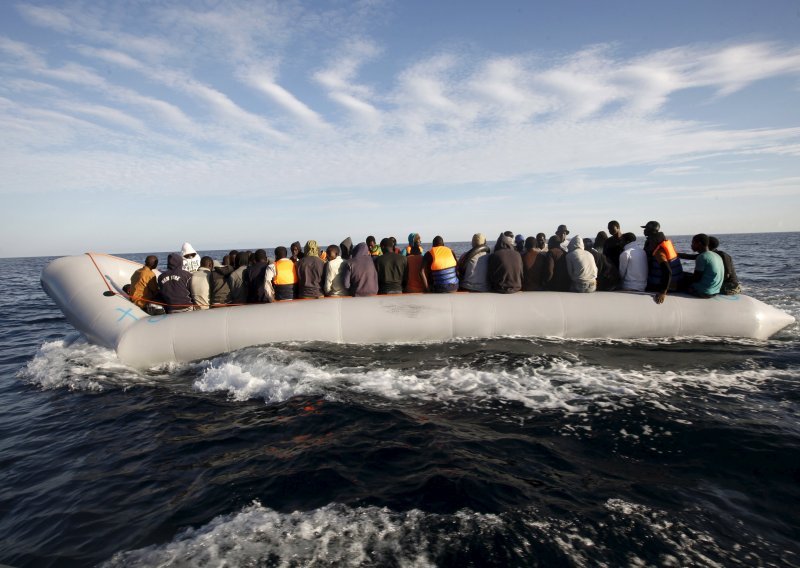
(612,261)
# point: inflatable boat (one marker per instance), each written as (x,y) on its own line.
(88,289)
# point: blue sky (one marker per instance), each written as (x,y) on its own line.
(134,126)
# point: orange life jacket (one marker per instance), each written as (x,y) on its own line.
(285,272)
(442,258)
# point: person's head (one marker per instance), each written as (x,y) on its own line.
(656,238)
(509,234)
(207,262)
(295,248)
(713,243)
(187,251)
(251,257)
(127,289)
(651,227)
(613,228)
(541,240)
(311,248)
(519,242)
(530,243)
(562,233)
(478,240)
(243,258)
(225,260)
(628,238)
(232,257)
(392,242)
(700,242)
(438,241)
(370,241)
(386,245)
(587,243)
(280,253)
(151,261)
(260,255)
(600,240)
(333,252)
(554,242)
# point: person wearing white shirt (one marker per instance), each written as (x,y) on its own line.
(632,265)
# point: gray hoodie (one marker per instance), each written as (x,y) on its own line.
(581,267)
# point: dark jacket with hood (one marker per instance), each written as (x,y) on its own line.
(173,284)
(359,276)
(256,278)
(505,267)
(220,291)
(534,265)
(310,277)
(346,248)
(556,275)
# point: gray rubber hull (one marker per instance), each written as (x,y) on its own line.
(140,340)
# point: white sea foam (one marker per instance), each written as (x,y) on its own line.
(275,375)
(337,535)
(78,365)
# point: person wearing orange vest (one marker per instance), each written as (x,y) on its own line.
(413,240)
(285,280)
(664,271)
(440,262)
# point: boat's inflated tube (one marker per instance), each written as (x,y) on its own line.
(81,287)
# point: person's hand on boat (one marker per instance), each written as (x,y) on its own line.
(660,297)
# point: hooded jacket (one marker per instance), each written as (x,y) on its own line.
(174,285)
(190,264)
(473,269)
(359,276)
(505,267)
(581,267)
(310,270)
(220,291)
(346,248)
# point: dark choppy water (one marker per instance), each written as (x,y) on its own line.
(510,452)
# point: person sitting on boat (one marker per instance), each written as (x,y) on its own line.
(438,272)
(505,266)
(534,266)
(392,268)
(730,283)
(556,278)
(359,275)
(664,270)
(709,270)
(220,289)
(285,279)
(191,260)
(393,243)
(473,266)
(174,286)
(372,246)
(607,273)
(231,256)
(541,242)
(309,272)
(237,281)
(259,279)
(581,267)
(144,287)
(332,276)
(414,285)
(200,286)
(519,244)
(632,265)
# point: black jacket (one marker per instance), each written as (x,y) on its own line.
(173,284)
(505,267)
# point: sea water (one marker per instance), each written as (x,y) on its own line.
(504,452)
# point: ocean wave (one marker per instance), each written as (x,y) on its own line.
(540,383)
(337,535)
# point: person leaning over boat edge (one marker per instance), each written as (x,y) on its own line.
(664,270)
(440,262)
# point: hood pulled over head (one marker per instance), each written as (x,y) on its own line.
(346,248)
(361,249)
(311,248)
(504,242)
(575,243)
(187,249)
(175,260)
